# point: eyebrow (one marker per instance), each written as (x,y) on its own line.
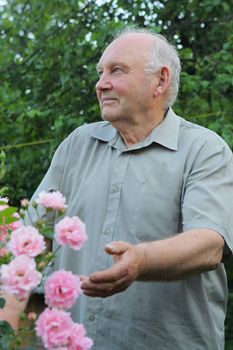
(113,63)
(98,66)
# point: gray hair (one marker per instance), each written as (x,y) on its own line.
(162,53)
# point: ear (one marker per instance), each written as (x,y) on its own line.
(162,81)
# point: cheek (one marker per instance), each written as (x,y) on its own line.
(121,87)
(98,93)
(133,89)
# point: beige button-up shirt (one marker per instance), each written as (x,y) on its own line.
(179,178)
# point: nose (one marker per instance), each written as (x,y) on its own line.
(103,83)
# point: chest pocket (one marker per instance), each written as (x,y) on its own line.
(156,213)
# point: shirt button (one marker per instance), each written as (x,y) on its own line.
(91,318)
(107,231)
(115,189)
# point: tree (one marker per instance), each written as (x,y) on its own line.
(47,64)
(49,50)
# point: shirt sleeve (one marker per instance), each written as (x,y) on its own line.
(208,196)
(50,182)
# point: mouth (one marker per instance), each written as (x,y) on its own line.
(107,100)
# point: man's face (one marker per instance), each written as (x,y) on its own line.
(124,91)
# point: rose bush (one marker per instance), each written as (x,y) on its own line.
(24,258)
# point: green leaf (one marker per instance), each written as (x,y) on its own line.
(2,303)
(33,113)
(8,211)
(6,216)
(7,221)
(5,259)
(47,232)
(5,328)
(4,343)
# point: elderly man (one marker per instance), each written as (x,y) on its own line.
(156,192)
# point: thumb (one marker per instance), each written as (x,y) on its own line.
(118,247)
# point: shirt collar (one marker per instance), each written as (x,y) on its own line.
(166,134)
(102,131)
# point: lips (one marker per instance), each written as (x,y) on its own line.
(108,99)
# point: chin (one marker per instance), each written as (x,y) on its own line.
(108,117)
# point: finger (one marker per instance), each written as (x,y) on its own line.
(104,293)
(114,273)
(83,277)
(106,289)
(117,247)
(104,286)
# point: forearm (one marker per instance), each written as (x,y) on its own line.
(181,256)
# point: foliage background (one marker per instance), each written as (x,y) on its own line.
(49,50)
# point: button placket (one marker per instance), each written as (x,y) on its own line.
(113,203)
(108,233)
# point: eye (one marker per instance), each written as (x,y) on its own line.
(100,72)
(117,69)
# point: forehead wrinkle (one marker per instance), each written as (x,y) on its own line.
(124,51)
(129,43)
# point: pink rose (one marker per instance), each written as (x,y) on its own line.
(20,276)
(62,288)
(26,240)
(14,225)
(78,339)
(32,316)
(52,200)
(54,327)
(24,203)
(71,232)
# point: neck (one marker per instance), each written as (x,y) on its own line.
(137,132)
